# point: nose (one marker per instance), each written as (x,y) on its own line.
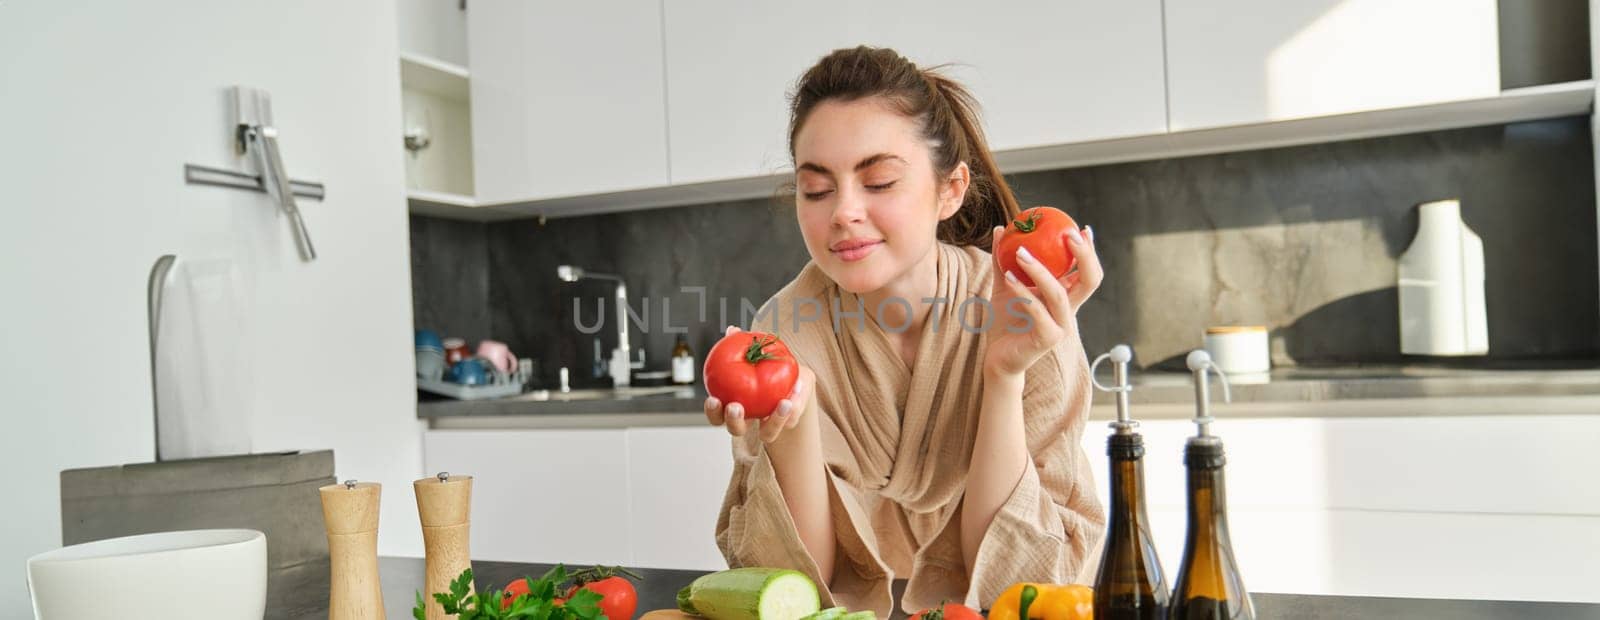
(850,208)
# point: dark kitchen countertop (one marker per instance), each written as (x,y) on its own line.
(1311,383)
(307,597)
(1414,389)
(580,408)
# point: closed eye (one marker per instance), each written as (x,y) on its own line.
(816,195)
(879,188)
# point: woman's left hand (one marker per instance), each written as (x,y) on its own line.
(1029,321)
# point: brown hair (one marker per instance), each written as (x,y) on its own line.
(944,109)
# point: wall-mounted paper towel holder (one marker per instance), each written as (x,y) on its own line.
(255,135)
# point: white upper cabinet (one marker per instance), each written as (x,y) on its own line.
(567,98)
(1233,62)
(730,67)
(433,29)
(1045,72)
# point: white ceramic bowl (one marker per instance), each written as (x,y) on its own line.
(214,574)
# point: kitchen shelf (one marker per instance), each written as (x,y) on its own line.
(448,205)
(436,76)
(1510,106)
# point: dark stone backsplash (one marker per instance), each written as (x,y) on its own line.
(1302,239)
(450,278)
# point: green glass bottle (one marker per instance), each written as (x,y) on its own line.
(1130,584)
(1209,585)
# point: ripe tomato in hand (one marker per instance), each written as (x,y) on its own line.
(753,369)
(1039,229)
(619,599)
(948,611)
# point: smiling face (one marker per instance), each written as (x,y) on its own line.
(868,199)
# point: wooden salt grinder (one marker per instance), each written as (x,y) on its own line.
(350,514)
(444,503)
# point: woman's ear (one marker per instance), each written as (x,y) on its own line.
(953,190)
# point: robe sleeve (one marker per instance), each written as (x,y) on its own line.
(1053,519)
(755,529)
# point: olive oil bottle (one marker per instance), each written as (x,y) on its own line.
(1130,584)
(1209,585)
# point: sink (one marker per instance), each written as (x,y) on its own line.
(674,391)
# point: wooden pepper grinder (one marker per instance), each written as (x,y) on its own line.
(350,514)
(444,503)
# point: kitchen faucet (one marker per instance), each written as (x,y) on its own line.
(620,363)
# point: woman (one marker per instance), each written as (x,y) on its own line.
(928,438)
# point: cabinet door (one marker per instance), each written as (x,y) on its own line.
(1067,71)
(539,496)
(567,98)
(730,67)
(676,479)
(1233,62)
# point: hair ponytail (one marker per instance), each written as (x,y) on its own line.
(989,201)
(950,122)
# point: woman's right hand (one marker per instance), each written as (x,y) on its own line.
(788,416)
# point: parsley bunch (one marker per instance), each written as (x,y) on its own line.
(538,604)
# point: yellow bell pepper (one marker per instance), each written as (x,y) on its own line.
(1034,601)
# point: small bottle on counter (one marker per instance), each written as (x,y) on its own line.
(682,363)
(1130,584)
(1209,585)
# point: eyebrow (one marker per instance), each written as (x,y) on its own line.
(865,163)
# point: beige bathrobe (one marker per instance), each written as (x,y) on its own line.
(897,442)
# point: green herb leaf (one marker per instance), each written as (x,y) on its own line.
(488,604)
(461,585)
(532,610)
(450,602)
(584,604)
(420,612)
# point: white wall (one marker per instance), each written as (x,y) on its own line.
(101,105)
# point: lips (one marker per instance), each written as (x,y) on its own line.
(851,250)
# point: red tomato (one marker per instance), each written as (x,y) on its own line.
(949,611)
(753,369)
(1040,229)
(618,597)
(513,590)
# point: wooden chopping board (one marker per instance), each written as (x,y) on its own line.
(668,614)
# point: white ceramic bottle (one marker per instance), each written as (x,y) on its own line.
(1442,308)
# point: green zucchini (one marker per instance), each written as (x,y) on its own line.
(859,615)
(751,594)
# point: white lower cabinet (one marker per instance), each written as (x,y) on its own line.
(677,478)
(540,495)
(636,497)
(1476,507)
